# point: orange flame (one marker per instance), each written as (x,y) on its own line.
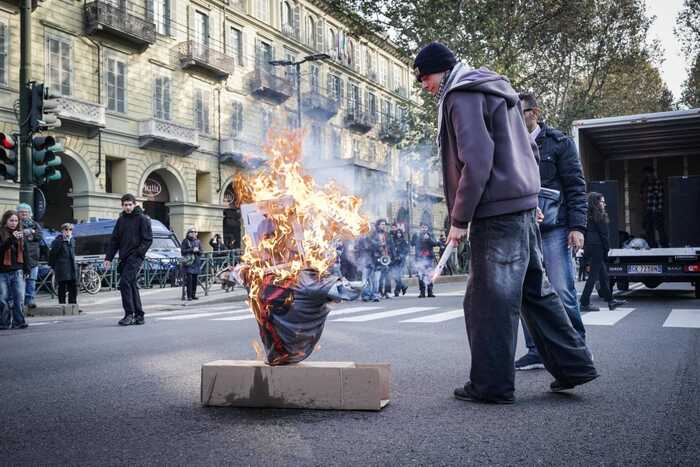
(307,220)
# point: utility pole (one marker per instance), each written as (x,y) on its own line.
(26,187)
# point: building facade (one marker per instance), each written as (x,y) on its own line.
(165,98)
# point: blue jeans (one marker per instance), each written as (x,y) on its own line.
(559,265)
(11,298)
(507,280)
(30,292)
(370,277)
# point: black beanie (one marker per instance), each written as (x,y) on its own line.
(433,58)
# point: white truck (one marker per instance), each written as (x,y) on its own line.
(614,153)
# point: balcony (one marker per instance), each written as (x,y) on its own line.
(104,17)
(358,120)
(290,31)
(195,55)
(81,115)
(266,85)
(319,106)
(240,152)
(167,136)
(392,132)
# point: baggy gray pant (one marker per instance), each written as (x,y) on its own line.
(507,279)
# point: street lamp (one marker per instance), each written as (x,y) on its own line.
(297,66)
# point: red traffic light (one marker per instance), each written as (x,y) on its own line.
(6,142)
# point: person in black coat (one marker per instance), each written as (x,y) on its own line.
(424,244)
(132,237)
(62,260)
(597,245)
(399,252)
(191,249)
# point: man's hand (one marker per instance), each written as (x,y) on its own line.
(456,235)
(107,265)
(539,216)
(575,240)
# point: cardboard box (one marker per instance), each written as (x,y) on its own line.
(307,385)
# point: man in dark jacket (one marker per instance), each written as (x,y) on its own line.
(424,245)
(492,182)
(131,238)
(560,170)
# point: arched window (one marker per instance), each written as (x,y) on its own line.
(351,54)
(287,15)
(310,31)
(332,42)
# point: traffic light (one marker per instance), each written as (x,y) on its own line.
(45,159)
(8,157)
(44,110)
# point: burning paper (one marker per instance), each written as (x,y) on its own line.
(291,228)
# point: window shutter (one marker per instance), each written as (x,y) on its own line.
(149,10)
(157,94)
(320,26)
(205,105)
(340,90)
(166,99)
(166,16)
(330,89)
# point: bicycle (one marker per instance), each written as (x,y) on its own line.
(90,280)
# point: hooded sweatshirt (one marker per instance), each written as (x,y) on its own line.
(132,235)
(489,162)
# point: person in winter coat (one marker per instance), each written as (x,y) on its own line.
(424,244)
(560,170)
(492,183)
(217,245)
(14,268)
(62,260)
(399,252)
(597,246)
(191,249)
(131,238)
(381,254)
(33,236)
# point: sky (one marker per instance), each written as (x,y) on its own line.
(674,68)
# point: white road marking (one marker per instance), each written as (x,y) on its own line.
(385,314)
(355,309)
(199,315)
(457,293)
(121,310)
(683,318)
(437,318)
(605,317)
(250,315)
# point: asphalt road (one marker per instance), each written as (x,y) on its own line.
(83,391)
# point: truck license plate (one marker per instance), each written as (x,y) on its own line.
(644,269)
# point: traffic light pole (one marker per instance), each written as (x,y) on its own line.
(26,187)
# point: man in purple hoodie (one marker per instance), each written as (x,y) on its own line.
(491,185)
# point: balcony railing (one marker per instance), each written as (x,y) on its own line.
(164,135)
(81,114)
(392,131)
(319,106)
(358,119)
(102,16)
(195,55)
(266,85)
(240,152)
(290,31)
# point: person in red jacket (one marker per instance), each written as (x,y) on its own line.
(491,185)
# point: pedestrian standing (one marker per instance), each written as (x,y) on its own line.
(492,182)
(399,253)
(424,244)
(33,237)
(217,245)
(381,241)
(564,221)
(597,247)
(14,268)
(62,260)
(131,238)
(191,249)
(652,194)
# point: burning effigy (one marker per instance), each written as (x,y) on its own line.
(291,228)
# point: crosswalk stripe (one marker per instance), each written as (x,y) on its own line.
(250,315)
(183,311)
(121,310)
(200,315)
(355,309)
(385,314)
(683,318)
(437,318)
(605,317)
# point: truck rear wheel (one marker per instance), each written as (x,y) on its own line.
(652,283)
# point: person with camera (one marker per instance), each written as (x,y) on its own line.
(33,237)
(191,249)
(563,201)
(62,260)
(217,245)
(14,268)
(424,244)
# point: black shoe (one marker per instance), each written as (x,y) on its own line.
(31,305)
(195,298)
(20,326)
(529,361)
(403,291)
(589,308)
(396,294)
(466,393)
(559,385)
(386,296)
(615,303)
(422,295)
(126,321)
(431,295)
(139,320)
